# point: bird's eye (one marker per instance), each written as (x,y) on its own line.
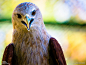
(19,16)
(33,12)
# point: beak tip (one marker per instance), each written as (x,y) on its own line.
(28,29)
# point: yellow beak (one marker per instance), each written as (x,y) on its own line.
(27,21)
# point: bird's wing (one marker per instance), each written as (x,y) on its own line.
(8,55)
(56,52)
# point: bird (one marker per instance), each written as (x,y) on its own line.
(31,43)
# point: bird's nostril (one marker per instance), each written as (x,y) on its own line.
(26,16)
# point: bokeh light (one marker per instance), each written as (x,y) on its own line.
(62,12)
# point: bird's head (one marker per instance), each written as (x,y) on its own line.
(25,16)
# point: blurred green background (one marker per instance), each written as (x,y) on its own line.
(64,19)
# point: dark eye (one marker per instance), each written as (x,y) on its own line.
(19,16)
(33,12)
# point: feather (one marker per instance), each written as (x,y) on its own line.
(56,52)
(8,55)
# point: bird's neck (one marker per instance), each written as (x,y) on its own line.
(17,36)
(31,44)
(36,32)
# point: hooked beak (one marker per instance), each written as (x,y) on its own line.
(28,19)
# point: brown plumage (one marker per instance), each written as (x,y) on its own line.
(32,45)
(8,55)
(56,52)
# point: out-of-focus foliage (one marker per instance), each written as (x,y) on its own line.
(61,11)
(7,7)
